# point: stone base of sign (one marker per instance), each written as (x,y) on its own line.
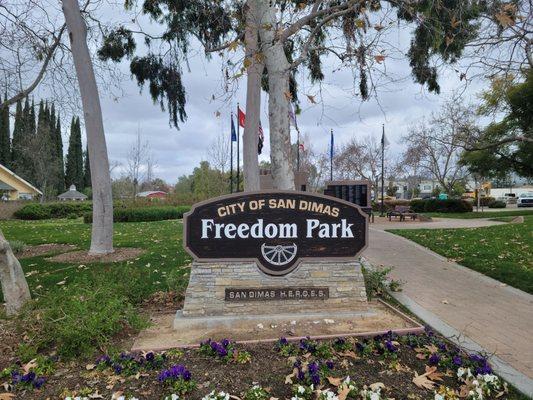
(339,288)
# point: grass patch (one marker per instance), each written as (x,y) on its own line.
(488,214)
(502,252)
(78,308)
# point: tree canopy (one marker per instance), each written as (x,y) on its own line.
(505,145)
(309,30)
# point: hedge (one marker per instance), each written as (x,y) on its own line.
(143,214)
(498,204)
(65,209)
(436,205)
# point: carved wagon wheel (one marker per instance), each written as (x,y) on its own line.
(279,254)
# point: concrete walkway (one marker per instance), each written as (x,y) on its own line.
(479,311)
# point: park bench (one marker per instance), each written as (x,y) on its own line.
(402,212)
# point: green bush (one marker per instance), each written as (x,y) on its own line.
(17,246)
(437,205)
(32,212)
(497,204)
(144,214)
(485,201)
(377,281)
(62,209)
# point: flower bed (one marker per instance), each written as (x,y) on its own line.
(389,366)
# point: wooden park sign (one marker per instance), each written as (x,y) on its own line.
(276,229)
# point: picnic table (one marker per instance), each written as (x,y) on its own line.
(402,212)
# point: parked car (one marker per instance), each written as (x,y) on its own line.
(509,198)
(525,199)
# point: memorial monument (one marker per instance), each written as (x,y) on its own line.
(271,254)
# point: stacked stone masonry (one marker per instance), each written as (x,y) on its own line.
(205,295)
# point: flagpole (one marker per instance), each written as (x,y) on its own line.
(382,172)
(298,150)
(238,151)
(231,155)
(331,157)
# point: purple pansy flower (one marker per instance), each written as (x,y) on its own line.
(434,359)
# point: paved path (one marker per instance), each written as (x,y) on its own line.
(485,312)
(436,223)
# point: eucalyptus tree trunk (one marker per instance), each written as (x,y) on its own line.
(102,227)
(14,286)
(278,99)
(253,97)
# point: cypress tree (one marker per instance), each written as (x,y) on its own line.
(5,140)
(59,156)
(21,155)
(18,131)
(31,129)
(87,170)
(74,169)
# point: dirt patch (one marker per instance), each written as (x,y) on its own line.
(42,249)
(83,256)
(161,334)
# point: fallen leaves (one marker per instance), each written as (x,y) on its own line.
(334,381)
(426,380)
(288,378)
(30,365)
(423,382)
(7,396)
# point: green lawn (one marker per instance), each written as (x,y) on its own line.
(502,252)
(98,299)
(486,214)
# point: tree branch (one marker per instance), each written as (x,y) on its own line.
(519,138)
(24,93)
(315,13)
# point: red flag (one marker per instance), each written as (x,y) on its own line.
(241,116)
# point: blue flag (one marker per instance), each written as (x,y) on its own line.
(233,132)
(331,146)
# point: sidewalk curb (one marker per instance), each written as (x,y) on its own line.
(511,375)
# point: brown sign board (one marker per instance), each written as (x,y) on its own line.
(276,229)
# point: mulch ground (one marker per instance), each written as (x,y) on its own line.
(365,361)
(43,249)
(83,256)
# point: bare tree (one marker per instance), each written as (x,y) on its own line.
(14,286)
(436,145)
(102,227)
(361,159)
(136,162)
(35,53)
(218,153)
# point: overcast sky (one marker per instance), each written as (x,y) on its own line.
(177,152)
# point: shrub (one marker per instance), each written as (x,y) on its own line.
(417,205)
(377,281)
(437,205)
(485,201)
(63,209)
(17,246)
(144,214)
(497,204)
(32,212)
